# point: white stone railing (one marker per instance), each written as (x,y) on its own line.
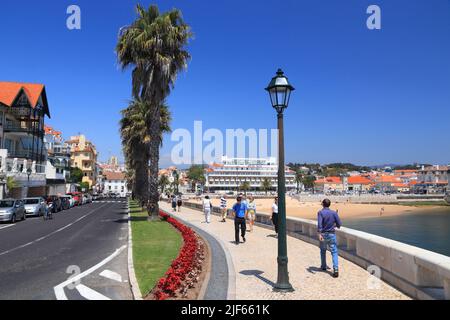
(419,273)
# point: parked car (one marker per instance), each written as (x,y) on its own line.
(89,197)
(11,210)
(77,197)
(84,199)
(34,206)
(55,203)
(66,202)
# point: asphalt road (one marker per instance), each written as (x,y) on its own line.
(87,243)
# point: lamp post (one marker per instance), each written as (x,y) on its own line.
(28,185)
(280,92)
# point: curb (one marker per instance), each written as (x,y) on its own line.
(131,274)
(231,292)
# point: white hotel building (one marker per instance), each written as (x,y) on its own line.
(233,172)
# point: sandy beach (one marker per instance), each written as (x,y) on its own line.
(308,210)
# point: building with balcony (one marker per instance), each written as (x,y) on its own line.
(83,155)
(433,179)
(234,172)
(23,156)
(57,169)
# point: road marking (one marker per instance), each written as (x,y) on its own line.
(59,289)
(90,294)
(52,233)
(111,275)
(7,226)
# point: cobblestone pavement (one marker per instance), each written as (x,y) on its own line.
(255,264)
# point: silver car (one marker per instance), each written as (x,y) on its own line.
(11,210)
(35,206)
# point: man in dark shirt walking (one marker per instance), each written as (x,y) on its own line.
(327,222)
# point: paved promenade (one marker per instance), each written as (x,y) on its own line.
(256,269)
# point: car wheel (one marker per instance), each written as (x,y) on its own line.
(13,219)
(24,217)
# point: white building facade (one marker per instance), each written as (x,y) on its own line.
(115,182)
(232,173)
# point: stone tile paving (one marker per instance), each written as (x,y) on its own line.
(256,268)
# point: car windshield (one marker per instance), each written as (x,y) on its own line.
(31,201)
(6,204)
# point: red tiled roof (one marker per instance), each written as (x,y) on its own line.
(114,175)
(329,180)
(358,180)
(9,91)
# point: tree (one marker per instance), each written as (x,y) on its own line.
(245,187)
(135,144)
(76,175)
(298,179)
(84,186)
(176,181)
(309,181)
(196,175)
(163,183)
(11,184)
(154,47)
(266,185)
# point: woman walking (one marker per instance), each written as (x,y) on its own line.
(207,206)
(251,212)
(179,203)
(275,215)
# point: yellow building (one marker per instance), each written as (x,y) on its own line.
(83,155)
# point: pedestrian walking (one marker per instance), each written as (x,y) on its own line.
(174,203)
(179,203)
(223,208)
(240,214)
(327,222)
(275,214)
(251,212)
(207,207)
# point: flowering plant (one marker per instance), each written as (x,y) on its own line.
(185,269)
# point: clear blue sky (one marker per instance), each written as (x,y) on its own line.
(367,97)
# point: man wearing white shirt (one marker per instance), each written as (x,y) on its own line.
(275,214)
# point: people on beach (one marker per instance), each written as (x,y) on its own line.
(327,222)
(179,203)
(174,203)
(251,212)
(207,207)
(223,208)
(240,212)
(275,214)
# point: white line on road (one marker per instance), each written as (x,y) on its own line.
(59,289)
(111,275)
(7,226)
(90,294)
(52,233)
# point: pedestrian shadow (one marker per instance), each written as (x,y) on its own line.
(314,270)
(272,236)
(257,274)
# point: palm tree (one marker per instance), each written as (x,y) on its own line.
(196,175)
(135,141)
(245,187)
(163,182)
(176,181)
(266,185)
(154,46)
(298,179)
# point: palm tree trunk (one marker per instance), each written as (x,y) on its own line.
(155,142)
(141,180)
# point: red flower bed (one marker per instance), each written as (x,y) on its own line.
(184,270)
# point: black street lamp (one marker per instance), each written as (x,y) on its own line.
(280,92)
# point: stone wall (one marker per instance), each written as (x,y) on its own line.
(417,272)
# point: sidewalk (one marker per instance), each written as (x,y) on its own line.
(255,264)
